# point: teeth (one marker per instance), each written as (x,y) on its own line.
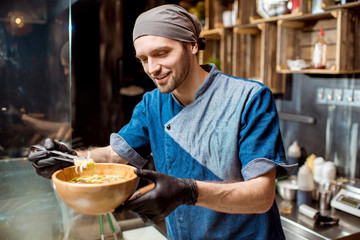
(161,76)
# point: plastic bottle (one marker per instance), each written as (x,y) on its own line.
(318,174)
(318,167)
(328,172)
(294,154)
(305,185)
(320,52)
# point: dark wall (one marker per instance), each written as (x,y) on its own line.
(92,121)
(335,133)
(85,58)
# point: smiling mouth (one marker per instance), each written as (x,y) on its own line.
(161,77)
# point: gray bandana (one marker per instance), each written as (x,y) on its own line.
(170,21)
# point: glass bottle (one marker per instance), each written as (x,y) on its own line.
(320,52)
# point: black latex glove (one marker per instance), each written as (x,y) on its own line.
(45,165)
(168,193)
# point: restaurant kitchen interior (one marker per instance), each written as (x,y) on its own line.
(321,112)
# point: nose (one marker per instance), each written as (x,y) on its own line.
(153,66)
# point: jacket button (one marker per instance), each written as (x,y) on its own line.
(168,127)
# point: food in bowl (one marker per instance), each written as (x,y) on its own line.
(95,199)
(88,163)
(81,164)
(97,179)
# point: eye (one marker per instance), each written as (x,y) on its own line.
(141,60)
(162,53)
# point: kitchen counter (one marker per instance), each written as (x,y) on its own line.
(298,226)
(30,209)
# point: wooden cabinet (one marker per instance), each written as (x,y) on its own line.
(258,48)
(296,37)
(254,54)
(218,48)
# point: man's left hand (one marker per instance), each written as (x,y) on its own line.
(168,193)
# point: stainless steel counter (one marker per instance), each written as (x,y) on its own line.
(297,226)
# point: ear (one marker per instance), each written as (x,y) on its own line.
(194,48)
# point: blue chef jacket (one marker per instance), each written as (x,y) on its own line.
(230,132)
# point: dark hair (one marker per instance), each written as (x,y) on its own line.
(201,43)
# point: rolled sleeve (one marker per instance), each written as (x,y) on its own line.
(123,149)
(132,141)
(260,166)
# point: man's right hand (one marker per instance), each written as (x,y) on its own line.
(44,164)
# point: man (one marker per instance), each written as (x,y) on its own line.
(215,139)
(57,119)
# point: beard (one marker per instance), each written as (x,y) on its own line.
(178,75)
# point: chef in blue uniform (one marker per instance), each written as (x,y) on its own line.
(215,139)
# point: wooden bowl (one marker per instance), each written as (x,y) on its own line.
(95,199)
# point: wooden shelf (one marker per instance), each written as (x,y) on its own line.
(276,18)
(258,48)
(254,55)
(247,29)
(246,52)
(297,35)
(213,34)
(297,16)
(353,5)
(309,16)
(218,46)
